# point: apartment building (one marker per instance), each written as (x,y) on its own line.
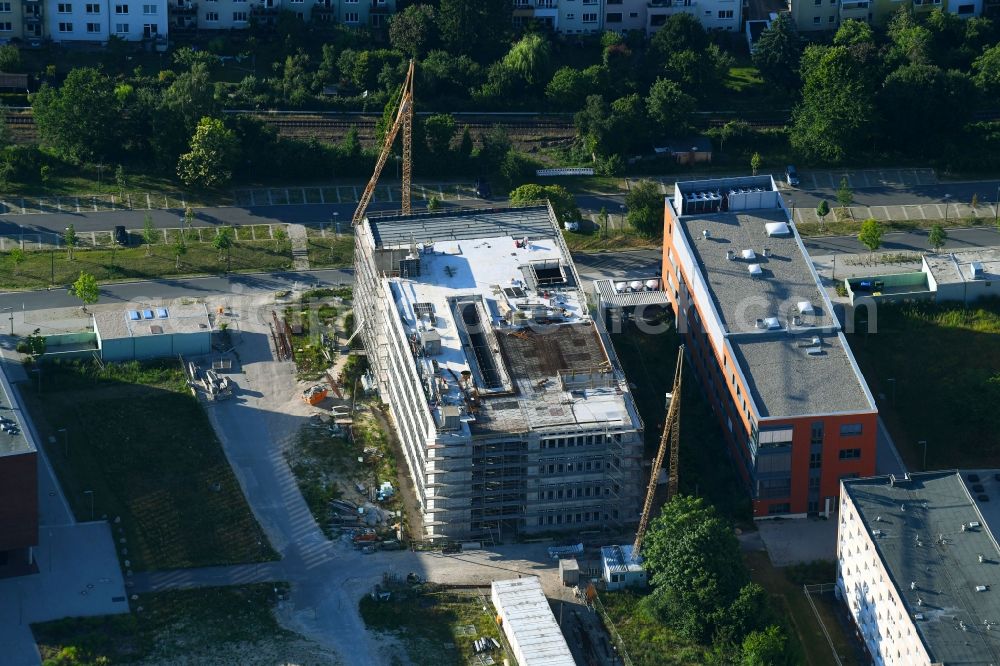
(580,17)
(766,345)
(78,21)
(917,563)
(237,14)
(18,486)
(810,15)
(511,407)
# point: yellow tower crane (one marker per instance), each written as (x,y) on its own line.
(671,437)
(404,121)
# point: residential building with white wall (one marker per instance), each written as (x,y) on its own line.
(918,566)
(238,14)
(98,20)
(712,14)
(512,410)
(580,17)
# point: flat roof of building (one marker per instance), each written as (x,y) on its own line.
(13,421)
(924,537)
(796,375)
(401,230)
(530,624)
(618,559)
(140,320)
(957,267)
(507,314)
(736,243)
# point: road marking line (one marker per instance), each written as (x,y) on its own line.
(149,204)
(77,204)
(905,214)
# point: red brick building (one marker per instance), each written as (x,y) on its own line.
(18,487)
(763,338)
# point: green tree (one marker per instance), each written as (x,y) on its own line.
(569,87)
(86,289)
(213,150)
(433,204)
(777,53)
(180,249)
(223,242)
(645,204)
(440,130)
(413,30)
(911,41)
(822,210)
(936,237)
(10,58)
(529,60)
(755,163)
(148,233)
(871,234)
(120,181)
(16,257)
(987,71)
(669,107)
(915,97)
(602,218)
(629,126)
(78,119)
(694,564)
(478,29)
(837,111)
(70,240)
(33,345)
(563,203)
(280,237)
(844,194)
(681,32)
(192,96)
(764,648)
(465,145)
(6,135)
(852,32)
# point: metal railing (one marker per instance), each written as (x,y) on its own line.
(613,631)
(822,588)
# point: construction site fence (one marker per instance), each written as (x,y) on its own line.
(613,632)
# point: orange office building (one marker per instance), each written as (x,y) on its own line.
(768,349)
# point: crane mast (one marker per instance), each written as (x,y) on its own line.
(670,438)
(404,122)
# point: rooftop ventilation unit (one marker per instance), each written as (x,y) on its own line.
(982,588)
(706,234)
(754,270)
(805,307)
(976,268)
(748,255)
(817,341)
(772,323)
(777,229)
(877,533)
(974,524)
(814,351)
(766,252)
(730,255)
(134,316)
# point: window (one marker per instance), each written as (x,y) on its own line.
(149,30)
(350,17)
(121,28)
(774,436)
(570,17)
(965,9)
(240,17)
(816,433)
(5,26)
(350,2)
(816,18)
(5,7)
(149,10)
(65,27)
(815,460)
(850,454)
(121,9)
(774,488)
(64,8)
(830,20)
(850,430)
(633,14)
(212,17)
(93,8)
(813,482)
(726,14)
(614,18)
(775,509)
(93,28)
(590,18)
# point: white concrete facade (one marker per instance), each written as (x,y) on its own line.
(580,17)
(238,14)
(98,20)
(712,14)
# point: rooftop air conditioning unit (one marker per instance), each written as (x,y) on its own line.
(730,255)
(767,252)
(976,267)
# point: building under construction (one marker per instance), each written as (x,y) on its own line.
(513,411)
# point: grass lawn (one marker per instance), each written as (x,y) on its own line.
(211,625)
(705,470)
(144,446)
(431,621)
(318,459)
(581,241)
(331,251)
(81,181)
(945,359)
(649,641)
(41,268)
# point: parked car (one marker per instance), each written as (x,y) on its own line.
(792,176)
(572,225)
(121,236)
(391,544)
(483,190)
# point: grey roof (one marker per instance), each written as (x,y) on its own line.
(946,570)
(611,297)
(397,230)
(739,297)
(786,380)
(180,318)
(956,267)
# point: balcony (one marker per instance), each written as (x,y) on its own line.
(324,8)
(379,8)
(183,8)
(270,9)
(854,9)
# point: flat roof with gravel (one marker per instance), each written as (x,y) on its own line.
(932,529)
(958,267)
(142,320)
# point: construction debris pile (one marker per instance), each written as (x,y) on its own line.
(209,382)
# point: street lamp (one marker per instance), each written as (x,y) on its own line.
(947,197)
(336,222)
(91,493)
(65,434)
(924,443)
(621,207)
(22,235)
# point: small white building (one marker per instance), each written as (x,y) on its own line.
(963,276)
(146,332)
(528,623)
(917,562)
(621,569)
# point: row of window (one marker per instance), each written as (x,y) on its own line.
(568,493)
(570,518)
(148,29)
(587,18)
(559,468)
(581,440)
(92,8)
